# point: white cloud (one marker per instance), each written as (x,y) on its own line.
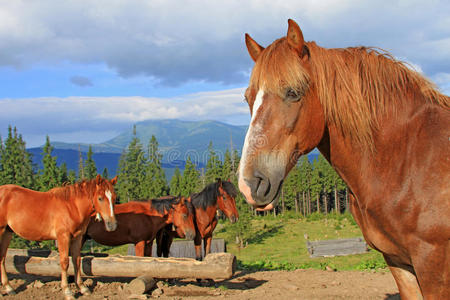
(175,41)
(99,118)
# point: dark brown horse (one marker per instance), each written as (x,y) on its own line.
(383,127)
(218,195)
(139,221)
(60,214)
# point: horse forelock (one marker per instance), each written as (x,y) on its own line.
(279,68)
(229,188)
(356,86)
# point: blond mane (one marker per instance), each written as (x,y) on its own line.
(355,85)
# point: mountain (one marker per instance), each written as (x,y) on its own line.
(177,140)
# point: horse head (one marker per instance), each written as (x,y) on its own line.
(287,119)
(226,199)
(103,201)
(182,217)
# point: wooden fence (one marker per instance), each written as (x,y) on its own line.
(182,248)
(339,247)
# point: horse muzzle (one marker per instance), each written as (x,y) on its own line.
(189,234)
(262,191)
(110,224)
(233,219)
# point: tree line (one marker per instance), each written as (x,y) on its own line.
(309,187)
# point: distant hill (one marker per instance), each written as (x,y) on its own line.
(177,140)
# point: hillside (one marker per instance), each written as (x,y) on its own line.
(174,137)
(177,140)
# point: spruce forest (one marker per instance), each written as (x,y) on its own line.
(311,187)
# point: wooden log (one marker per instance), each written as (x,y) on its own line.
(141,284)
(216,266)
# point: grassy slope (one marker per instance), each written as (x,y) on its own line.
(279,243)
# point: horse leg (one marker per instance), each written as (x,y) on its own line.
(75,249)
(432,266)
(198,247)
(167,243)
(148,248)
(405,278)
(63,247)
(207,244)
(139,248)
(5,239)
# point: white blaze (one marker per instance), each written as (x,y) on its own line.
(253,130)
(108,195)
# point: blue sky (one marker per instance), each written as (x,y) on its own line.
(83,71)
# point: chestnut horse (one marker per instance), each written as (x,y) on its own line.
(60,214)
(383,127)
(220,194)
(139,221)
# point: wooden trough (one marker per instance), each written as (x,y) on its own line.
(217,266)
(339,247)
(183,248)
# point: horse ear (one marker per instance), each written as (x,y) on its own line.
(254,49)
(295,36)
(219,181)
(114,180)
(98,179)
(182,200)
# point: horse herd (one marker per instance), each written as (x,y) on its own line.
(383,127)
(74,213)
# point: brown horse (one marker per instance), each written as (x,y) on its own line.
(383,127)
(220,194)
(138,223)
(60,214)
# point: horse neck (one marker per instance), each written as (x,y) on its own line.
(82,202)
(402,141)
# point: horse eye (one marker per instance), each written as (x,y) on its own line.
(292,95)
(100,198)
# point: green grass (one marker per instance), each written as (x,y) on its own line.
(278,243)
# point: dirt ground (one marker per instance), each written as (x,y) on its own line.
(298,284)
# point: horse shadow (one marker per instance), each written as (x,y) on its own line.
(266,233)
(392,297)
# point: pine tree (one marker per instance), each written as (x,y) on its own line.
(317,183)
(105,173)
(15,162)
(291,189)
(49,175)
(227,167)
(63,177)
(72,177)
(131,171)
(90,170)
(305,173)
(175,183)
(213,166)
(81,175)
(190,181)
(325,171)
(155,184)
